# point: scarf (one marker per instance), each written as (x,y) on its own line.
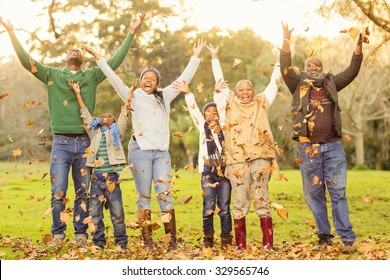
(96,122)
(214,156)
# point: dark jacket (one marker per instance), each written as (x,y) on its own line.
(300,90)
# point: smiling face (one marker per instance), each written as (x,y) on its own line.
(211,116)
(74,57)
(313,67)
(244,91)
(149,82)
(107,119)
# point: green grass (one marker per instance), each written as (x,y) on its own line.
(25,197)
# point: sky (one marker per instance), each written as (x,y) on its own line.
(263,16)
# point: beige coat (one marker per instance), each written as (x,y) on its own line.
(115,156)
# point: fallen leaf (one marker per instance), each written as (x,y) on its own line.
(186,199)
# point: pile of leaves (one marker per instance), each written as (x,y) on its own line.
(23,248)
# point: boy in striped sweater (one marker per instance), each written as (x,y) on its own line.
(106,157)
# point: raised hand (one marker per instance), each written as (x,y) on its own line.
(74,86)
(286,37)
(198,47)
(7,24)
(91,51)
(219,85)
(135,24)
(213,51)
(181,87)
(131,94)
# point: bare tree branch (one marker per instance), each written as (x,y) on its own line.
(372,9)
(52,23)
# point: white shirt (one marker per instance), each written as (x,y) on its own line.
(150,120)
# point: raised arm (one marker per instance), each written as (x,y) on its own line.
(116,60)
(31,65)
(216,66)
(84,112)
(169,91)
(289,76)
(193,109)
(221,94)
(272,89)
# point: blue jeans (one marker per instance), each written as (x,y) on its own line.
(68,152)
(148,166)
(114,199)
(330,167)
(219,195)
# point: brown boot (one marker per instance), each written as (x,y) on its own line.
(170,228)
(268,235)
(240,231)
(226,241)
(208,240)
(146,228)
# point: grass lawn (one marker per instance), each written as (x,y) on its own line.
(25,197)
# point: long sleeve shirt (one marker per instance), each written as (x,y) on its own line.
(150,120)
(63,106)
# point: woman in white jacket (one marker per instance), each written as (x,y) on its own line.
(148,148)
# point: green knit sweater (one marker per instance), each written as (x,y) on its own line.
(63,107)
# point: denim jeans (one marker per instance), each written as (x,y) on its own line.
(330,167)
(219,195)
(68,152)
(148,166)
(114,199)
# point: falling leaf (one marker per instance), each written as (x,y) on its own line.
(178,134)
(236,61)
(33,68)
(39,132)
(348,137)
(298,160)
(110,185)
(282,212)
(281,177)
(83,172)
(16,153)
(186,199)
(29,122)
(353,32)
(3,95)
(64,217)
(304,139)
(49,83)
(83,206)
(199,87)
(212,185)
(166,218)
(302,91)
(189,167)
(99,162)
(47,212)
(316,180)
(10,139)
(65,103)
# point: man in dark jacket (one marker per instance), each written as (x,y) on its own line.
(317,128)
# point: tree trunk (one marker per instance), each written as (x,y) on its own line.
(359,150)
(190,155)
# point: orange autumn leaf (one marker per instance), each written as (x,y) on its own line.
(33,68)
(212,185)
(316,180)
(3,95)
(281,177)
(199,87)
(65,103)
(99,162)
(298,160)
(304,139)
(29,122)
(16,153)
(189,167)
(83,172)
(186,199)
(348,137)
(178,134)
(64,217)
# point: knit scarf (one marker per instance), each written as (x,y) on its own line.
(96,122)
(214,156)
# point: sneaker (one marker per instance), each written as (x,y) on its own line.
(348,248)
(57,241)
(322,243)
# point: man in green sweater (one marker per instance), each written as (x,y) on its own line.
(69,138)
